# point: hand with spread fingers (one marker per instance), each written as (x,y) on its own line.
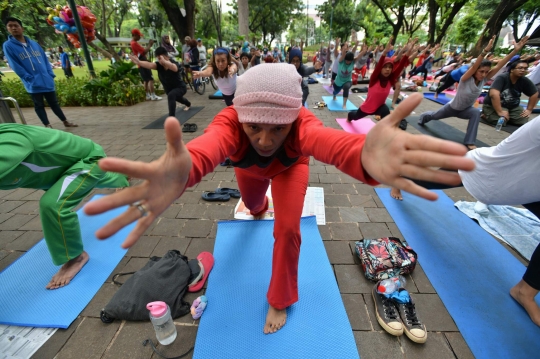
(164,181)
(390,154)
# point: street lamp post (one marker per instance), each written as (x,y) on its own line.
(331,18)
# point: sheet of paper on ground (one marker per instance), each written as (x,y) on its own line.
(313,206)
(22,342)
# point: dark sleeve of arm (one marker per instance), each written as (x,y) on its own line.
(529,88)
(331,146)
(14,148)
(377,71)
(220,140)
(308,70)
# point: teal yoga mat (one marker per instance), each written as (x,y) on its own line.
(337,105)
(24,300)
(471,272)
(232,324)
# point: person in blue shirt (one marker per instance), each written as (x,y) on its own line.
(451,78)
(29,62)
(66,64)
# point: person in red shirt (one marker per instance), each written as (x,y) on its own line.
(269,137)
(146,74)
(383,78)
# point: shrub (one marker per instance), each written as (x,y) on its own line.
(120,85)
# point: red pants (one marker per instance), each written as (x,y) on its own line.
(288,192)
(361,71)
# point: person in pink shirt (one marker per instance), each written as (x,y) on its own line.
(384,76)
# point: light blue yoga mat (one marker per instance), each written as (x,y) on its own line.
(24,300)
(471,272)
(232,324)
(338,104)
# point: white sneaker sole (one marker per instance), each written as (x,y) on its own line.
(389,329)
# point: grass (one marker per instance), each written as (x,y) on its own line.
(77,71)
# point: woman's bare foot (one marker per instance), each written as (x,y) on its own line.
(68,271)
(524,294)
(335,99)
(344,106)
(436,96)
(260,215)
(395,193)
(275,319)
(186,108)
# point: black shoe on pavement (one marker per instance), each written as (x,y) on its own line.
(412,327)
(386,313)
(70,124)
(48,126)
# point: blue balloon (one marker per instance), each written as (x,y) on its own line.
(72,30)
(57,27)
(64,28)
(58,20)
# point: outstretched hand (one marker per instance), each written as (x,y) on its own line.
(391,154)
(521,43)
(164,181)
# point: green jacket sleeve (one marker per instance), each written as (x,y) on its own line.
(14,148)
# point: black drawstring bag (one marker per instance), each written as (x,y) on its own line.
(161,279)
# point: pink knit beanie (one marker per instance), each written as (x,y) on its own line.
(269,93)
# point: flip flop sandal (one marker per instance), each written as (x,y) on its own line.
(206,261)
(186,127)
(215,197)
(193,127)
(234,193)
(197,308)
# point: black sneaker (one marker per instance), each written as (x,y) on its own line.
(386,313)
(412,327)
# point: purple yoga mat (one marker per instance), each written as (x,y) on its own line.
(361,126)
(330,90)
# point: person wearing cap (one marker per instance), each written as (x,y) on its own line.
(185,50)
(269,136)
(30,63)
(383,78)
(146,74)
(202,52)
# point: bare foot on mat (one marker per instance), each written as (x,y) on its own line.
(524,294)
(68,271)
(186,108)
(395,193)
(275,320)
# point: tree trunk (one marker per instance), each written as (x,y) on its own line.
(495,22)
(109,52)
(432,26)
(181,25)
(449,20)
(243,19)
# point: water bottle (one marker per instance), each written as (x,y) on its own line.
(500,123)
(160,316)
(390,285)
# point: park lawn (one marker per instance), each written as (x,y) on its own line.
(77,71)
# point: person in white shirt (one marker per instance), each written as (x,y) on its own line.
(202,52)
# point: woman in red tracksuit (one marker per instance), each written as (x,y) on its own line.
(383,78)
(269,136)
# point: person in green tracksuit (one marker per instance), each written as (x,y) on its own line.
(66,167)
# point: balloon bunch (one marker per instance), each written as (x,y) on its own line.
(61,18)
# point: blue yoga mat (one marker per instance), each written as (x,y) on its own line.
(24,300)
(337,105)
(442,99)
(218,93)
(472,273)
(232,324)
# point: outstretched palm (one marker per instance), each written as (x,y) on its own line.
(164,181)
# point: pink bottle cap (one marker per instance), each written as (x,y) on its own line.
(157,309)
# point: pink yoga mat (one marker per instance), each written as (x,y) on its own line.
(361,126)
(450,92)
(330,90)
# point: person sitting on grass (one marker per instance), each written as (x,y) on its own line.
(504,97)
(65,167)
(269,136)
(170,75)
(384,76)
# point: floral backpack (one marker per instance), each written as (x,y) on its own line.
(385,257)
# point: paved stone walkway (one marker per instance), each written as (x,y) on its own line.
(353,211)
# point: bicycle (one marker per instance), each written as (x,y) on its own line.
(196,85)
(209,79)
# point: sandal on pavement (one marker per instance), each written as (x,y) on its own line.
(186,127)
(215,197)
(193,127)
(70,124)
(234,193)
(206,262)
